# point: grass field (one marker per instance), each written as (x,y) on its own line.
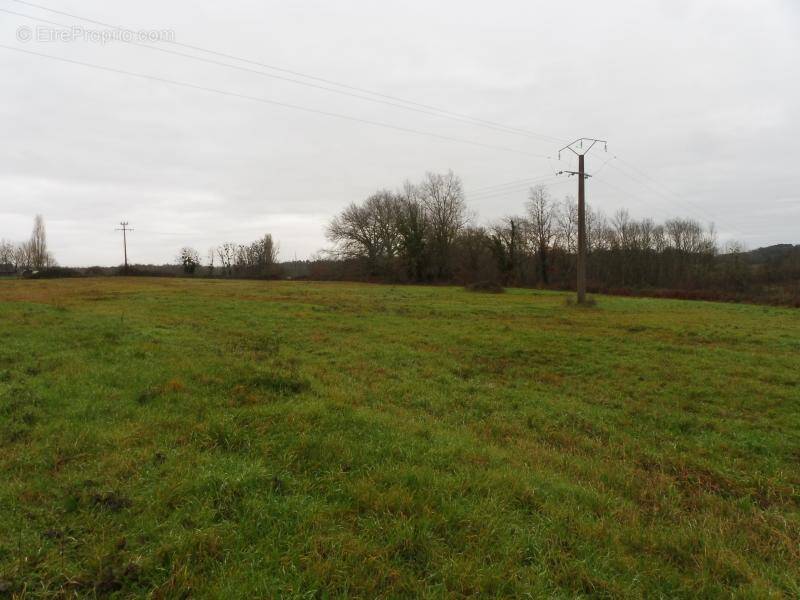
(257,439)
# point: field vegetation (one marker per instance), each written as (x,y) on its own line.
(212,438)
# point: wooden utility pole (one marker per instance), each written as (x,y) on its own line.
(581,231)
(582,177)
(125,229)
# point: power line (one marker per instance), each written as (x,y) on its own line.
(664,187)
(676,200)
(441,112)
(273,102)
(406,104)
(667,216)
(278,77)
(603,166)
(514,190)
(669,197)
(168,233)
(515,182)
(651,205)
(629,195)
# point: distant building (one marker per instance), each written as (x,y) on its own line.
(7,269)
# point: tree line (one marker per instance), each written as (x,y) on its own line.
(424,232)
(30,255)
(256,259)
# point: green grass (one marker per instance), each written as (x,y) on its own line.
(256,439)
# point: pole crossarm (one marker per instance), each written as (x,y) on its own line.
(584,146)
(125,229)
(580,142)
(571,173)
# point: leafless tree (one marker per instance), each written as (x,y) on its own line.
(355,235)
(227,256)
(623,229)
(567,225)
(686,235)
(541,217)
(596,226)
(257,258)
(659,239)
(443,198)
(369,231)
(22,256)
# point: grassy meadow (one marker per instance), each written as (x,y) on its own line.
(192,438)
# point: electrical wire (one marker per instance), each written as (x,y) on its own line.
(684,205)
(603,166)
(270,75)
(273,102)
(551,180)
(442,112)
(397,102)
(514,183)
(629,195)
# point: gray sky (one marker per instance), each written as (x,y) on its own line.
(702,96)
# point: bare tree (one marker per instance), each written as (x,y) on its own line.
(596,226)
(22,256)
(257,258)
(567,225)
(227,256)
(623,229)
(355,235)
(541,216)
(369,231)
(443,198)
(659,239)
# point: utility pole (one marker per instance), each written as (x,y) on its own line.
(125,229)
(582,177)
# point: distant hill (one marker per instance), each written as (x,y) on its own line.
(771,254)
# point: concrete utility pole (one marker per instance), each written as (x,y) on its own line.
(125,229)
(582,176)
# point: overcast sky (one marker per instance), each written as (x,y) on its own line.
(699,101)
